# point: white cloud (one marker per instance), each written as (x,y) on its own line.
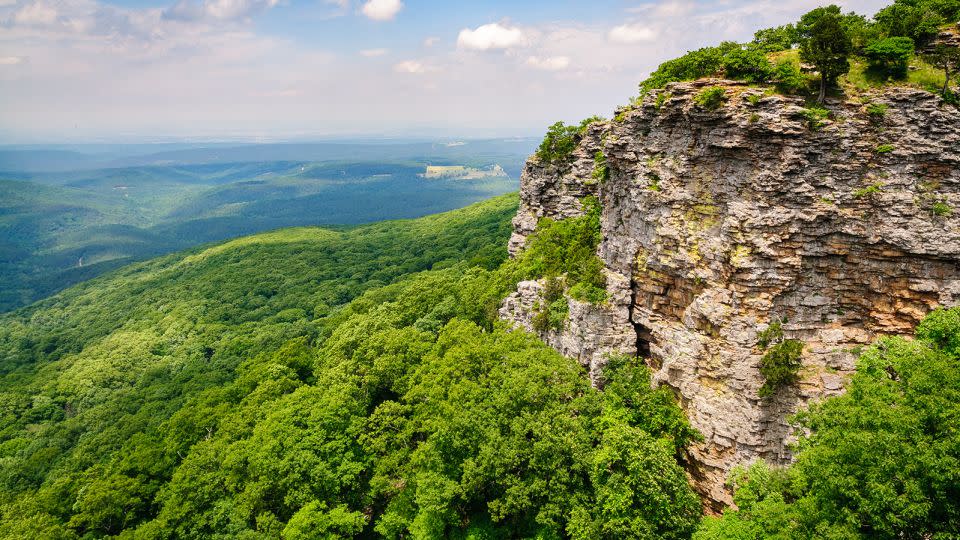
(382,10)
(673,8)
(431,41)
(413,66)
(550,63)
(224,10)
(631,33)
(491,36)
(10,60)
(372,53)
(37,13)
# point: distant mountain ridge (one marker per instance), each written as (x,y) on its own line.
(29,159)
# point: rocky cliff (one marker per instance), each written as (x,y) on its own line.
(717,223)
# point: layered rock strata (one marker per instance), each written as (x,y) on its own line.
(717,223)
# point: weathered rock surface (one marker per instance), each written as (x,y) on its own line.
(716,223)
(949,36)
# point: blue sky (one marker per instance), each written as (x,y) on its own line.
(141,70)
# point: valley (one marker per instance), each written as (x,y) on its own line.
(61,227)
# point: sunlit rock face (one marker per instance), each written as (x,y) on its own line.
(718,222)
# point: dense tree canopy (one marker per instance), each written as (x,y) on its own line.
(319,384)
(311,383)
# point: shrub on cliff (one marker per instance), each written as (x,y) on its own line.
(788,78)
(568,248)
(780,366)
(561,140)
(711,98)
(829,40)
(552,312)
(696,64)
(748,65)
(881,461)
(889,56)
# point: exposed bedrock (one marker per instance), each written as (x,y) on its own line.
(717,223)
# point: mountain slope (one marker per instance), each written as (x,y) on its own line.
(309,382)
(60,228)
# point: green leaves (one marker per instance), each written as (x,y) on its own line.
(825,43)
(316,521)
(775,39)
(780,366)
(711,98)
(880,461)
(561,140)
(354,395)
(749,65)
(942,329)
(917,20)
(890,56)
(693,65)
(567,248)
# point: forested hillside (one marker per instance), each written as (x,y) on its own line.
(59,228)
(310,383)
(356,382)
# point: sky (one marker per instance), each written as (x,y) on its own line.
(271,70)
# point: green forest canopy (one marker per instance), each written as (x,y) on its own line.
(310,383)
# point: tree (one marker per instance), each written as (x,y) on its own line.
(915,19)
(882,461)
(946,58)
(775,39)
(861,30)
(890,56)
(825,43)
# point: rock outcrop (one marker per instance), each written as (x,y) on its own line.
(717,223)
(949,37)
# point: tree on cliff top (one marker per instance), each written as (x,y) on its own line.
(825,43)
(946,58)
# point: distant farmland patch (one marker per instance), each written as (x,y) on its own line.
(461,172)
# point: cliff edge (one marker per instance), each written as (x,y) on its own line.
(718,222)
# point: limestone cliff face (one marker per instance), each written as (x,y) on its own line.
(716,223)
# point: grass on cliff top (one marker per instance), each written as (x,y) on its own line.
(919,75)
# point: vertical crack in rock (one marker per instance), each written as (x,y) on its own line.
(717,223)
(644,335)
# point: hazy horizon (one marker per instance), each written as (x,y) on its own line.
(271,70)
